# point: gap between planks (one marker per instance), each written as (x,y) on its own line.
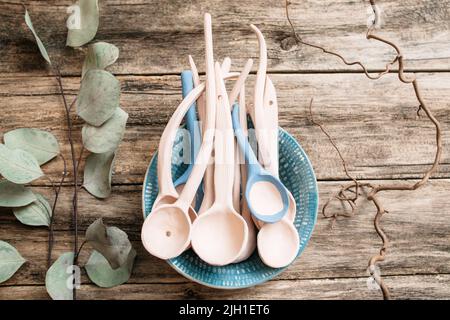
(278,279)
(269,72)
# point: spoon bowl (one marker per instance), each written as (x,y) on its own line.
(226,228)
(220,234)
(266,197)
(166,232)
(278,243)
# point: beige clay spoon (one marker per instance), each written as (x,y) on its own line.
(241,178)
(166,231)
(245,211)
(219,235)
(277,242)
(208,197)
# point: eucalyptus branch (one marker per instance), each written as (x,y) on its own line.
(46,177)
(375,189)
(102,109)
(78,163)
(79,250)
(74,166)
(52,217)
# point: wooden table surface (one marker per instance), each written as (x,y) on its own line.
(373,122)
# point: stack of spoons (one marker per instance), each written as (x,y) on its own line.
(230,200)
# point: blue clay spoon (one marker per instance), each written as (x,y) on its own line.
(266,196)
(192,125)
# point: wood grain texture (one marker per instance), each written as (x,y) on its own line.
(374,123)
(150,32)
(408,287)
(417,225)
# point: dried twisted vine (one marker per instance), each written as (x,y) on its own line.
(374,189)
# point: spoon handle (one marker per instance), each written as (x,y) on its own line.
(165,183)
(250,158)
(210,95)
(226,65)
(271,127)
(192,126)
(191,116)
(224,146)
(240,82)
(201,100)
(201,162)
(210,102)
(258,100)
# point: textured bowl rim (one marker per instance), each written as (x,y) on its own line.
(280,270)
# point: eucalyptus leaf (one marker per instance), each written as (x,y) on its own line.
(87,14)
(37,213)
(18,166)
(98,173)
(111,242)
(41,144)
(10,261)
(38,40)
(100,272)
(59,278)
(15,195)
(107,137)
(99,97)
(99,56)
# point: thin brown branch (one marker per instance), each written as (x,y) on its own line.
(79,250)
(340,195)
(72,104)
(375,189)
(79,158)
(299,40)
(67,109)
(52,218)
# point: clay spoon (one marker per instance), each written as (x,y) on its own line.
(226,67)
(239,85)
(219,234)
(208,197)
(271,142)
(166,231)
(208,180)
(210,102)
(245,211)
(167,192)
(278,242)
(193,129)
(265,117)
(266,196)
(241,178)
(256,111)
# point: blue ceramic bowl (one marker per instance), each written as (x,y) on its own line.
(297,175)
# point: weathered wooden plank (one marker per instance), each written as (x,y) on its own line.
(417,225)
(408,287)
(374,123)
(156,36)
